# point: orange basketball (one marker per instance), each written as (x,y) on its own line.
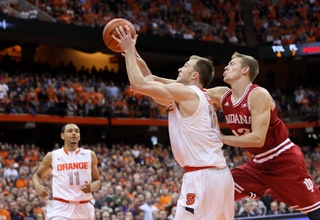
(110,29)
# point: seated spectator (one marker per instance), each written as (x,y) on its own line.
(155,214)
(140,214)
(119,215)
(274,209)
(246,211)
(254,208)
(128,216)
(125,205)
(65,18)
(105,215)
(4,214)
(22,181)
(162,215)
(27,210)
(173,213)
(14,213)
(37,209)
(11,171)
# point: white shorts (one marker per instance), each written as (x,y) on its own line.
(69,211)
(209,193)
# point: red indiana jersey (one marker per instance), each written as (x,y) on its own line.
(238,116)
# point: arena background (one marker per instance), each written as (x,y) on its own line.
(54,43)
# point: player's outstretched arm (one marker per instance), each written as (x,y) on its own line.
(216,93)
(261,104)
(42,170)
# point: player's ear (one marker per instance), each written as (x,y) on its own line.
(195,75)
(62,136)
(246,69)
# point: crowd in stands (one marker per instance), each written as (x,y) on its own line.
(286,22)
(136,180)
(221,21)
(66,92)
(36,88)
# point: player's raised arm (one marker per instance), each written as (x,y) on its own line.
(42,170)
(138,83)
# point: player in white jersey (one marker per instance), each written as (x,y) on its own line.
(207,188)
(74,176)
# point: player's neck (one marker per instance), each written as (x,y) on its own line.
(239,89)
(70,147)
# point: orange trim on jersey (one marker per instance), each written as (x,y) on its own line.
(72,202)
(68,153)
(191,169)
(203,90)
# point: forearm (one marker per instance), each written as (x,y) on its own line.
(95,185)
(143,67)
(36,180)
(163,80)
(244,141)
(134,74)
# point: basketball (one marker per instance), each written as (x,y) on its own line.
(110,29)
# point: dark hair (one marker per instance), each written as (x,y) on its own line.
(125,198)
(24,208)
(64,127)
(139,211)
(119,211)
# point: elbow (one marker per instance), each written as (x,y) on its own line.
(260,142)
(134,87)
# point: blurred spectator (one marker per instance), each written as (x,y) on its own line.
(162,215)
(27,210)
(173,213)
(99,202)
(37,209)
(282,207)
(254,208)
(246,211)
(14,213)
(155,214)
(105,215)
(4,89)
(125,205)
(148,207)
(274,209)
(43,100)
(11,170)
(128,216)
(119,215)
(22,181)
(140,214)
(4,214)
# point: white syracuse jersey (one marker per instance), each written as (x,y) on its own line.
(70,173)
(196,141)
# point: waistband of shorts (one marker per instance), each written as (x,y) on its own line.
(285,145)
(71,202)
(188,169)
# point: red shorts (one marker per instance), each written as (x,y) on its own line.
(286,175)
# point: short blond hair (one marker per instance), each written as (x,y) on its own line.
(250,62)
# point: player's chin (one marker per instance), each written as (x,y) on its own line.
(73,142)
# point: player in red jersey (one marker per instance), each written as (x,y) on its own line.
(277,163)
